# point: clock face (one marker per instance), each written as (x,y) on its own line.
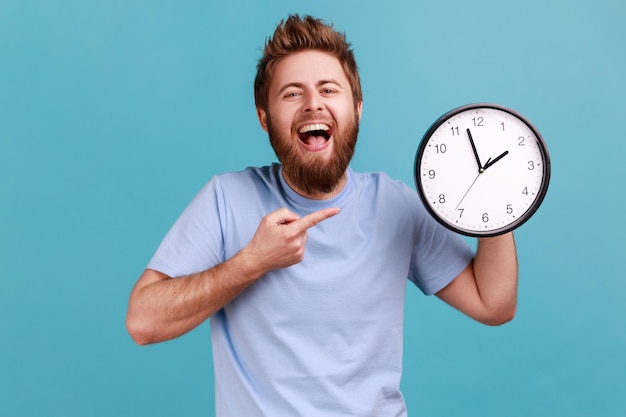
(482,170)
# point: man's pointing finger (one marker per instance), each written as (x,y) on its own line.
(314,218)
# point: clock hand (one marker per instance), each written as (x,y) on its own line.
(468,190)
(480,167)
(481,170)
(490,162)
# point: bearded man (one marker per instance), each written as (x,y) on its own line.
(302,266)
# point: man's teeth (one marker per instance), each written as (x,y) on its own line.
(314,127)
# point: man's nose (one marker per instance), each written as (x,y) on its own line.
(312,103)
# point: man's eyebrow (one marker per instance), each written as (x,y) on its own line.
(329,81)
(320,83)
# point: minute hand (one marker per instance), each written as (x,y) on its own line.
(490,162)
(480,167)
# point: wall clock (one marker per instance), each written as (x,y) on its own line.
(482,170)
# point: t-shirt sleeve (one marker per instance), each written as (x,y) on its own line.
(439,254)
(195,242)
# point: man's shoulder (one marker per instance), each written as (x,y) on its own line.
(379,186)
(379,179)
(245,185)
(251,172)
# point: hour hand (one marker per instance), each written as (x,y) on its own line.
(480,166)
(490,162)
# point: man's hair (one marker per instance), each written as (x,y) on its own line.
(298,34)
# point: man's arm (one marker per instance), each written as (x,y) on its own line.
(487,289)
(162,308)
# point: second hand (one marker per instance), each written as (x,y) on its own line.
(468,190)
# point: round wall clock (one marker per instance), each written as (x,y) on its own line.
(482,170)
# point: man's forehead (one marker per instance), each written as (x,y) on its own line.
(308,67)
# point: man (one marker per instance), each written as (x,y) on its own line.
(302,266)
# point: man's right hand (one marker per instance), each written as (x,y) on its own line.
(280,238)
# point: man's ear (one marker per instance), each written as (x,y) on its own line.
(262,115)
(359,109)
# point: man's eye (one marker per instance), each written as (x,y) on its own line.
(292,94)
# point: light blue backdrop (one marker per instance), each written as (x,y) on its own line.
(114,113)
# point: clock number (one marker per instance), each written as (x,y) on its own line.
(478,121)
(431,174)
(502,124)
(521,141)
(442,198)
(485,217)
(525,191)
(509,209)
(461,212)
(531,165)
(455,131)
(441,148)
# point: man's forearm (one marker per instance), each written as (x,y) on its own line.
(495,269)
(162,308)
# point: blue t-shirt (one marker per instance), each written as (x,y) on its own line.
(322,337)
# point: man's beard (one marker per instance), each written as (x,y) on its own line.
(314,173)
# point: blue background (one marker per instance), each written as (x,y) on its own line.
(114,113)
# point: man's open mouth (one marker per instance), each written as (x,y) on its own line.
(315,134)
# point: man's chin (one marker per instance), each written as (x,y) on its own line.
(315,176)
